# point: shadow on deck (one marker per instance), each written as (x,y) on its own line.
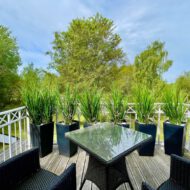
(153,170)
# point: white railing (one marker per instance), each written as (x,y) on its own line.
(14,132)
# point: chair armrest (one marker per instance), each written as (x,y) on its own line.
(18,168)
(180,171)
(145,186)
(67,180)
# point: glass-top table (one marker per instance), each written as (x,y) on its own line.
(107,145)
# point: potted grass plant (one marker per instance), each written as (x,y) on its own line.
(175,127)
(90,106)
(68,105)
(117,105)
(41,105)
(145,110)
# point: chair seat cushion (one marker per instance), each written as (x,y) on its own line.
(39,181)
(170,185)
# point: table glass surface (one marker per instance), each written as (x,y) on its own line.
(107,141)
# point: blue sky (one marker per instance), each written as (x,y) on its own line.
(139,22)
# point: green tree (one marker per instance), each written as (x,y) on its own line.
(150,66)
(86,53)
(183,83)
(9,62)
(37,78)
(124,79)
(31,77)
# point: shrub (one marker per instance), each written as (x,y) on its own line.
(117,106)
(144,104)
(174,105)
(90,105)
(68,104)
(41,104)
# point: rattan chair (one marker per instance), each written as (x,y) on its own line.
(24,172)
(179,175)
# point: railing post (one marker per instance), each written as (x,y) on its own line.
(20,130)
(159,116)
(15,137)
(9,134)
(28,128)
(3,143)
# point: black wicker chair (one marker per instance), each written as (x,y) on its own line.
(179,175)
(23,172)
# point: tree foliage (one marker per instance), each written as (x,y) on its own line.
(87,52)
(183,83)
(9,62)
(150,65)
(32,78)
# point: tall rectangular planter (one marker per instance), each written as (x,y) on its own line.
(150,129)
(174,138)
(65,146)
(42,137)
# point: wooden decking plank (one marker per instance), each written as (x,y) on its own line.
(146,172)
(161,163)
(88,185)
(56,164)
(137,178)
(164,161)
(79,167)
(130,172)
(62,165)
(73,159)
(159,172)
(51,160)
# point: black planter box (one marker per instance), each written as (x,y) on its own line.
(174,138)
(42,137)
(150,129)
(66,147)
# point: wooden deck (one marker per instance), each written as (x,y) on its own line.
(153,170)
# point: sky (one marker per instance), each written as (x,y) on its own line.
(138,22)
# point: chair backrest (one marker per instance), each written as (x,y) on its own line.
(180,171)
(19,168)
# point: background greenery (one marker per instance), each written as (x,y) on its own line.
(87,54)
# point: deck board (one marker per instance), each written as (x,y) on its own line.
(154,170)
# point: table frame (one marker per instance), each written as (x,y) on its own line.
(108,175)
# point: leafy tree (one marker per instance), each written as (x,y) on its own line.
(9,62)
(124,79)
(86,53)
(183,83)
(31,77)
(34,78)
(150,66)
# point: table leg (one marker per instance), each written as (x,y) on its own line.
(107,177)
